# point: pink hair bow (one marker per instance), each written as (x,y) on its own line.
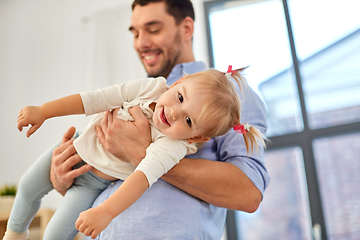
(242,128)
(229,72)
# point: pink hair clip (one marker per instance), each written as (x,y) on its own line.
(242,128)
(229,72)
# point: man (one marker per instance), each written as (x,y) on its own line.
(189,201)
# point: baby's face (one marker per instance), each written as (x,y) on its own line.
(178,110)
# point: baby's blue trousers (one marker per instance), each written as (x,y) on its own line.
(35,184)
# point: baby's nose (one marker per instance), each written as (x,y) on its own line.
(174,113)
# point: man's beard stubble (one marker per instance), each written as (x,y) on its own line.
(170,63)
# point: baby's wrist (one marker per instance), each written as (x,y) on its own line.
(44,111)
(104,209)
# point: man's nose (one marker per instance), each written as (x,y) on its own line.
(142,41)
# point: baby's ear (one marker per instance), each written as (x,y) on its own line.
(198,139)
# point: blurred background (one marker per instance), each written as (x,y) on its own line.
(304,59)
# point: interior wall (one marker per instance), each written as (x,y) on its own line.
(43,57)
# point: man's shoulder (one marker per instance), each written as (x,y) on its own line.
(182,69)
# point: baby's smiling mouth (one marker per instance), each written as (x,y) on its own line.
(164,119)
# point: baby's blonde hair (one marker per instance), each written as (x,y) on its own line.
(222,109)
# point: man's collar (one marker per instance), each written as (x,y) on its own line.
(183,69)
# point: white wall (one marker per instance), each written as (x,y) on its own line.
(43,57)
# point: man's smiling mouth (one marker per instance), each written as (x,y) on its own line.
(150,57)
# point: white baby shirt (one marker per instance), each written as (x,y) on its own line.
(162,154)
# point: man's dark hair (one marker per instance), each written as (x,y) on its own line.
(179,9)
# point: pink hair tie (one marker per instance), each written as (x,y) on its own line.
(229,72)
(242,128)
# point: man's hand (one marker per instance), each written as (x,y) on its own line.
(125,140)
(63,159)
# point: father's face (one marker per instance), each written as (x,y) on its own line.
(157,39)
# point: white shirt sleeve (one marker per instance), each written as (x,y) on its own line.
(114,96)
(161,156)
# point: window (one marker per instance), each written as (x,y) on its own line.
(337,161)
(264,46)
(328,52)
(304,59)
(287,206)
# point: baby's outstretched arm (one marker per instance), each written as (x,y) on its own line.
(93,221)
(36,115)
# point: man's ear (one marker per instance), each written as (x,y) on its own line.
(198,139)
(177,82)
(188,28)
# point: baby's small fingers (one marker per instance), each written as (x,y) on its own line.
(88,231)
(78,224)
(19,116)
(21,124)
(94,234)
(31,130)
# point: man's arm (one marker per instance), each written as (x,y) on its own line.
(218,183)
(221,184)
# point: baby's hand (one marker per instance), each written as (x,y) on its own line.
(30,115)
(93,221)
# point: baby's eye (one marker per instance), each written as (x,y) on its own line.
(188,120)
(181,99)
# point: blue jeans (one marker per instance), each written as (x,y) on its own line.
(36,183)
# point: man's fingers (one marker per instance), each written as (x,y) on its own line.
(100,134)
(68,135)
(79,171)
(71,159)
(137,113)
(105,121)
(66,149)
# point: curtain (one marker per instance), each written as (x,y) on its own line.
(109,54)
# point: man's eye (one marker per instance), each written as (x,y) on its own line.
(135,34)
(181,99)
(188,120)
